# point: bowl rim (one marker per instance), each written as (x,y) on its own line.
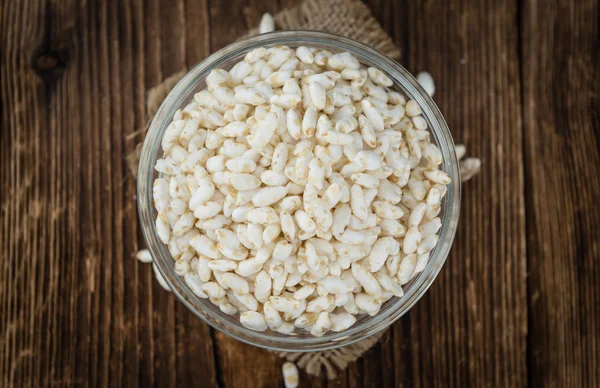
(449,214)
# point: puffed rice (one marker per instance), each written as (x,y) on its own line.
(298,191)
(144,256)
(290,375)
(426,81)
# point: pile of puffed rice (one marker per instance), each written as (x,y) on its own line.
(299,190)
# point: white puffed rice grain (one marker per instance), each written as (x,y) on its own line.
(144,256)
(426,81)
(469,167)
(160,279)
(253,320)
(267,24)
(290,375)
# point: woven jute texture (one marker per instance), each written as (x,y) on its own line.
(349,18)
(332,361)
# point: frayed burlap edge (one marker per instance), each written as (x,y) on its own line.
(332,361)
(349,18)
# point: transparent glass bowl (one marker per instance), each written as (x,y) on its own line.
(365,325)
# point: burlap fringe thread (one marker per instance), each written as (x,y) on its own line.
(349,18)
(332,361)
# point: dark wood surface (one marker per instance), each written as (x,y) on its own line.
(517,303)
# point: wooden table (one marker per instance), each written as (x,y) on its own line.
(517,303)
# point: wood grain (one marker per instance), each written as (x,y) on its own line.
(474,315)
(516,303)
(561,79)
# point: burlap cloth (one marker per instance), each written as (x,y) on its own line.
(349,18)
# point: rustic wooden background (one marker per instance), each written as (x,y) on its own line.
(518,302)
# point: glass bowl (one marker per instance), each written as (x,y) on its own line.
(365,325)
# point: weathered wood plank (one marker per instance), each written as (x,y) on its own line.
(34,177)
(561,78)
(474,315)
(94,316)
(187,356)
